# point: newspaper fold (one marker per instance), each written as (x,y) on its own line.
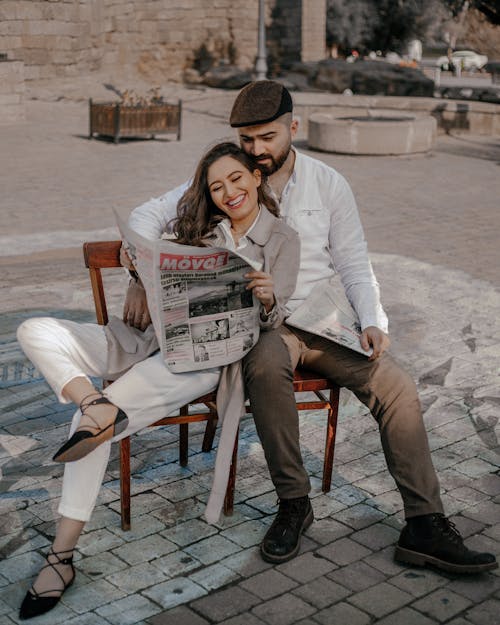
(202,312)
(328,313)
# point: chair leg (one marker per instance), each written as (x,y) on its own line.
(125,482)
(229,498)
(208,439)
(183,444)
(331,433)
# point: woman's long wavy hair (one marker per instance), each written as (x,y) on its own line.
(197,215)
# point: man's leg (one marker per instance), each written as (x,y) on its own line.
(391,395)
(268,370)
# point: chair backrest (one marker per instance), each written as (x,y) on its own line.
(100,255)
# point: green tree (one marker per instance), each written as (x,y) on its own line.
(489,8)
(378,24)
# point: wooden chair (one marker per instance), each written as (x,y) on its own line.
(105,255)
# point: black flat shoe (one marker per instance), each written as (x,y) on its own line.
(86,440)
(37,603)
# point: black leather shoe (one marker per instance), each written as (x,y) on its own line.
(37,603)
(282,540)
(433,540)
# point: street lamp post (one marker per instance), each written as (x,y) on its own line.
(261,61)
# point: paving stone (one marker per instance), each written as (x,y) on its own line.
(144,549)
(442,604)
(214,576)
(92,596)
(376,536)
(141,527)
(485,613)
(406,616)
(357,576)
(246,534)
(98,541)
(418,582)
(91,618)
(22,566)
(474,467)
(178,512)
(343,551)
(467,527)
(268,584)
(137,577)
(247,619)
(247,562)
(359,516)
(306,567)
(383,560)
(176,563)
(342,613)
(189,532)
(211,549)
(101,565)
(180,490)
(224,604)
(322,592)
(181,615)
(129,610)
(324,531)
(283,610)
(349,495)
(489,484)
(381,599)
(493,532)
(174,592)
(326,506)
(477,588)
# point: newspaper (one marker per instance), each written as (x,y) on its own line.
(201,311)
(328,313)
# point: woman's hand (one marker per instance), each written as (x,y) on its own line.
(263,288)
(376,338)
(135,310)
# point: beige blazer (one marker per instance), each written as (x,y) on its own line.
(276,246)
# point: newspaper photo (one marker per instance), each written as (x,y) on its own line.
(328,313)
(202,312)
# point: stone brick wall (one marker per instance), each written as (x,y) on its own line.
(313,45)
(296,31)
(11,91)
(160,38)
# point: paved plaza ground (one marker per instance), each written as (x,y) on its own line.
(432,224)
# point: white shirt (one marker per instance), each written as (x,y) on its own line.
(318,203)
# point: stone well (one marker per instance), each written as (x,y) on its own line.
(372,134)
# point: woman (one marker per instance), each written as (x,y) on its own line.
(226,205)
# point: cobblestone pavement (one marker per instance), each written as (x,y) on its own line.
(432,224)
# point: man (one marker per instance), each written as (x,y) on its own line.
(317,201)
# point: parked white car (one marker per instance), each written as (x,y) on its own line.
(465,59)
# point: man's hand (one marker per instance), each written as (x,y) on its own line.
(135,310)
(377,339)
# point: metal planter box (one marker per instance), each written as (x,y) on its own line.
(112,119)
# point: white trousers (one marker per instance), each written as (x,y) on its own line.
(63,350)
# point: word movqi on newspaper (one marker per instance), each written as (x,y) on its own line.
(202,312)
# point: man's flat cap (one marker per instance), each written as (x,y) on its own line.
(260,102)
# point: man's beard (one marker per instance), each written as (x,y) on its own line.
(276,163)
